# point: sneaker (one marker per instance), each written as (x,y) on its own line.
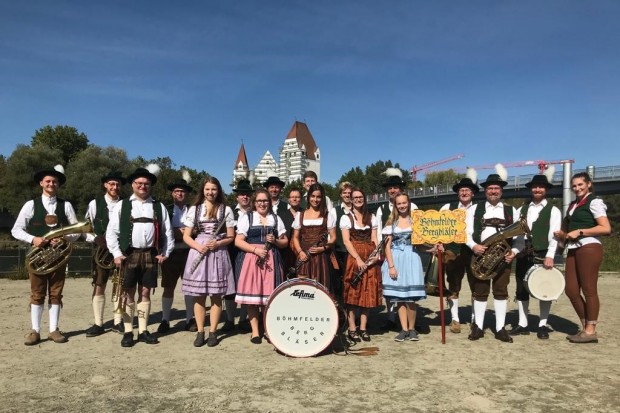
(402,336)
(413,335)
(57,337)
(119,328)
(212,340)
(164,326)
(455,327)
(32,338)
(94,331)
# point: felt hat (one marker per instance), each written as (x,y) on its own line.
(274,180)
(243,187)
(113,176)
(58,171)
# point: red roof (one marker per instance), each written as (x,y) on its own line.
(301,132)
(241,157)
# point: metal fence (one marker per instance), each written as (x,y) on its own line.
(12,258)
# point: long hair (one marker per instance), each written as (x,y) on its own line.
(586,177)
(265,192)
(219,199)
(366,216)
(323,204)
(395,214)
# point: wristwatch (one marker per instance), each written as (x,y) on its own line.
(580,233)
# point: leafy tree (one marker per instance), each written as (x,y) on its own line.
(442,178)
(355,176)
(66,139)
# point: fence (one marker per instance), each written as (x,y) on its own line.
(12,258)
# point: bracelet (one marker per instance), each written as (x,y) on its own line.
(390,267)
(254,251)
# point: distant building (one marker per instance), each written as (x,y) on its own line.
(266,167)
(242,169)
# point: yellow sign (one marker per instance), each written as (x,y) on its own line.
(431,227)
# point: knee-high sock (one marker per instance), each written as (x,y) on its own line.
(98,307)
(231,307)
(54,310)
(166,307)
(454,309)
(36,312)
(479,308)
(130,309)
(524,310)
(545,309)
(501,307)
(189,307)
(144,310)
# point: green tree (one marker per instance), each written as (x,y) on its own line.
(442,178)
(64,138)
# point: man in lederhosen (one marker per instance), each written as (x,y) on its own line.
(543,219)
(98,213)
(140,237)
(36,218)
(340,250)
(172,269)
(458,256)
(484,220)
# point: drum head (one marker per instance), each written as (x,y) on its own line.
(545,284)
(301,318)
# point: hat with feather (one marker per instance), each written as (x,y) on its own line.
(150,172)
(470,181)
(58,171)
(543,179)
(498,178)
(394,178)
(182,183)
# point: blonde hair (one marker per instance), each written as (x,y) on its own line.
(394,215)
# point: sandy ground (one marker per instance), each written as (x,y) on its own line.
(96,374)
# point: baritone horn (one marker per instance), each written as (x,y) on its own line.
(104,258)
(49,258)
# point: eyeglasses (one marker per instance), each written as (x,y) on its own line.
(178,191)
(262,201)
(358,197)
(144,184)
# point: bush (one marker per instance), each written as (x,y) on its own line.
(611,258)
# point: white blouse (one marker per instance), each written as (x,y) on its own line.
(331,221)
(243,225)
(346,223)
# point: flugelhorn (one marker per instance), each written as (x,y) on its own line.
(46,259)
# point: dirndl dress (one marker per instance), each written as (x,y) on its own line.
(409,285)
(318,266)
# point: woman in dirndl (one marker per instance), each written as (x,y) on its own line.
(314,234)
(208,271)
(359,235)
(403,276)
(260,235)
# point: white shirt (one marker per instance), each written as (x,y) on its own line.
(91,213)
(191,216)
(598,210)
(143,233)
(19,230)
(446,207)
(491,211)
(178,221)
(380,218)
(555,223)
(243,225)
(331,221)
(345,223)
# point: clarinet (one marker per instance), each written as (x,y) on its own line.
(293,270)
(201,255)
(357,277)
(267,247)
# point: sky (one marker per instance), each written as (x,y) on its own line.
(408,81)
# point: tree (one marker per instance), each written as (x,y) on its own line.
(442,178)
(66,139)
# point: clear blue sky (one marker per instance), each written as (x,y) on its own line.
(408,81)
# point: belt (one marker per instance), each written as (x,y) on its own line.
(132,249)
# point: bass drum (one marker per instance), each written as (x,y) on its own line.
(301,318)
(544,284)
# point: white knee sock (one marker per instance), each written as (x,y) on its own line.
(36,312)
(54,310)
(166,307)
(501,307)
(98,307)
(545,309)
(144,309)
(479,308)
(130,309)
(231,307)
(524,307)
(189,307)
(454,310)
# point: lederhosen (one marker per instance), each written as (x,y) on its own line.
(55,281)
(140,267)
(536,248)
(174,266)
(481,288)
(100,224)
(341,254)
(317,267)
(456,262)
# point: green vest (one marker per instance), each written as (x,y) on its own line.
(454,247)
(37,225)
(582,217)
(478,216)
(540,227)
(126,225)
(385,212)
(102,216)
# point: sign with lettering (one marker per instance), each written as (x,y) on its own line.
(432,227)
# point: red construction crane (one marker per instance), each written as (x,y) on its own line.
(542,165)
(416,169)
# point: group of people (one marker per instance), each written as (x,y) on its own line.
(239,256)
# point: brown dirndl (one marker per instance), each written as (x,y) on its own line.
(318,266)
(369,292)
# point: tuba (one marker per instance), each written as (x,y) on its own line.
(49,258)
(492,262)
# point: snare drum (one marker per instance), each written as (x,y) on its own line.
(544,284)
(301,318)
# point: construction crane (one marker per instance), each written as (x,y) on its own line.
(541,164)
(416,169)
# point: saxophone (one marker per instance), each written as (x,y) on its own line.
(492,262)
(46,259)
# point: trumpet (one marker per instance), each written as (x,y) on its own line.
(118,295)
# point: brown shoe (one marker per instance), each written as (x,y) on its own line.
(455,327)
(584,338)
(32,338)
(57,337)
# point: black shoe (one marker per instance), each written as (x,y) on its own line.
(543,333)
(212,340)
(191,325)
(127,340)
(518,330)
(476,333)
(503,335)
(364,335)
(228,326)
(119,328)
(147,338)
(244,326)
(256,340)
(94,331)
(200,339)
(164,327)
